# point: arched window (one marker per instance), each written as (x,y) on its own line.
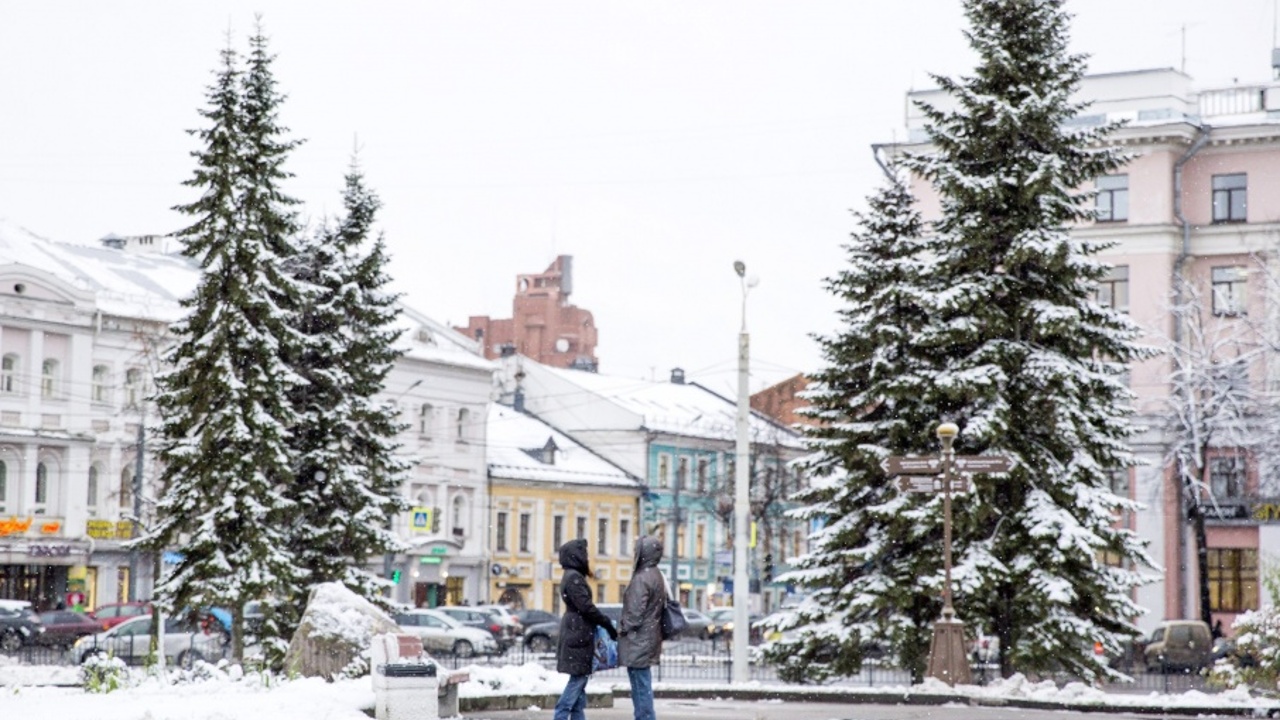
(9,373)
(91,489)
(459,512)
(426,418)
(48,377)
(463,416)
(132,387)
(101,376)
(126,488)
(42,487)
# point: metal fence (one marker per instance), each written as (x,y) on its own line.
(684,661)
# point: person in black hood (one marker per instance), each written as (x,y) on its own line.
(577,630)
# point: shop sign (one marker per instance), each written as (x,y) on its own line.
(108,530)
(19,526)
(49,550)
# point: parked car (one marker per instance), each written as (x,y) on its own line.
(63,627)
(512,628)
(112,614)
(481,619)
(184,642)
(19,625)
(542,637)
(700,626)
(441,633)
(530,616)
(1179,645)
(722,618)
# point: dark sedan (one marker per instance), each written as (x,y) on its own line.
(19,625)
(542,637)
(63,627)
(530,616)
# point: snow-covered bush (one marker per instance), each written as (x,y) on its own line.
(102,673)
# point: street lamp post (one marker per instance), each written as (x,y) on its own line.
(741,497)
(947,660)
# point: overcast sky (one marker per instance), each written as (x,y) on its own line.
(656,142)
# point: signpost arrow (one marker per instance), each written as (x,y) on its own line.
(901,465)
(930,484)
(987,464)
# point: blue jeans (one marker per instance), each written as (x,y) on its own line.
(573,701)
(641,692)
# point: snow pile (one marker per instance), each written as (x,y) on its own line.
(336,612)
(528,679)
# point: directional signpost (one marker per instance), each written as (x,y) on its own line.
(947,474)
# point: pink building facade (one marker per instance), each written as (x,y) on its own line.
(1199,199)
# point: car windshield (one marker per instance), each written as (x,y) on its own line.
(449,621)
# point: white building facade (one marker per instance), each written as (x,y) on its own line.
(81,328)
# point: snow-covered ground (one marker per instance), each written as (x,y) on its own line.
(28,692)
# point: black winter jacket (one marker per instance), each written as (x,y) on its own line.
(581,616)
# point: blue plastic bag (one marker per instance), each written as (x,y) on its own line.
(606,651)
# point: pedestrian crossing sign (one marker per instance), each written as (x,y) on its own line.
(421,520)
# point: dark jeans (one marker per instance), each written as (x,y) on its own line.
(572,704)
(641,693)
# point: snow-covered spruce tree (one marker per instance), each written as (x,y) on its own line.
(1034,366)
(871,576)
(224,402)
(348,473)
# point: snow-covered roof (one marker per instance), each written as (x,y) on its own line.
(514,438)
(150,286)
(678,408)
(145,286)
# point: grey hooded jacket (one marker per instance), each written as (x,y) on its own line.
(640,627)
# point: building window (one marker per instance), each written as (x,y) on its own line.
(682,473)
(524,532)
(463,416)
(1229,204)
(555,598)
(1119,482)
(42,487)
(700,541)
(1112,202)
(4,487)
(1228,284)
(702,475)
(49,377)
(664,470)
(1233,579)
(1113,289)
(557,532)
(91,489)
(126,489)
(582,528)
(459,528)
(100,389)
(132,387)
(624,537)
(1226,477)
(602,536)
(500,530)
(9,373)
(426,416)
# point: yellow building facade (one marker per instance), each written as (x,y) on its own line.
(544,490)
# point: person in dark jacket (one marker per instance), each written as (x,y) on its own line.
(640,626)
(577,630)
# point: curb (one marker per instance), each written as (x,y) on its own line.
(933,699)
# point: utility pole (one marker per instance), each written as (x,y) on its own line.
(741,497)
(675,532)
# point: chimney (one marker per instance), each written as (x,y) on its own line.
(517,402)
(677,376)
